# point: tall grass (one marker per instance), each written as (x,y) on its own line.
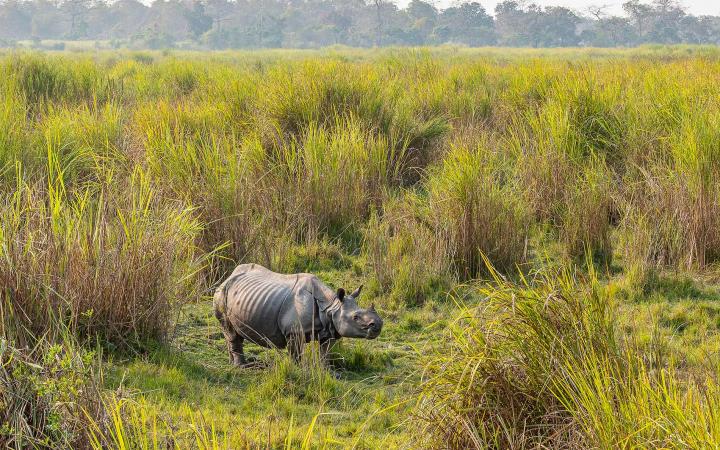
(123,175)
(409,258)
(589,209)
(670,205)
(567,155)
(325,180)
(12,133)
(83,144)
(109,263)
(471,208)
(341,174)
(540,363)
(41,80)
(49,385)
(471,197)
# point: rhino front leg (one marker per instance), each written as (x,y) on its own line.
(295,346)
(325,348)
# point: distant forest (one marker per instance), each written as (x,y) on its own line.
(222,24)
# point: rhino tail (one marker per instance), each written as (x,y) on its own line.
(220,304)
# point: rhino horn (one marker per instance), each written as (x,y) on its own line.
(372,307)
(356,292)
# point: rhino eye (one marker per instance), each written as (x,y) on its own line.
(356,317)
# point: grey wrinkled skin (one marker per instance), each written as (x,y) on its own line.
(287,311)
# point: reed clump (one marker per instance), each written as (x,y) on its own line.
(540,363)
(111,264)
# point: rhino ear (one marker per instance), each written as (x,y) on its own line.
(341,294)
(356,292)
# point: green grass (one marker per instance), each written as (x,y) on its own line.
(190,379)
(132,183)
(541,363)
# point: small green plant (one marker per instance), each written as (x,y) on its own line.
(47,385)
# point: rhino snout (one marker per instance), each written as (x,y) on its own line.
(374,327)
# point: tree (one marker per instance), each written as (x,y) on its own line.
(76,10)
(154,39)
(379,30)
(127,18)
(16,21)
(555,26)
(535,26)
(657,22)
(511,24)
(219,11)
(47,22)
(198,21)
(468,23)
(422,18)
(610,32)
(362,23)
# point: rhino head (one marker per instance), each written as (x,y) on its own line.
(354,322)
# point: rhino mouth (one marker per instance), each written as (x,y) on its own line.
(372,333)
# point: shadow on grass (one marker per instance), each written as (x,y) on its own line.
(672,288)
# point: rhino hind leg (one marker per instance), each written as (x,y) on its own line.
(235,345)
(235,349)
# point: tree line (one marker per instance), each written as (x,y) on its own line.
(222,24)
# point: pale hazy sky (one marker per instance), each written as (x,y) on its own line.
(696,7)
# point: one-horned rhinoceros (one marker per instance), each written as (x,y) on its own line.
(276,310)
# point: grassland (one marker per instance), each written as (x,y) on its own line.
(540,230)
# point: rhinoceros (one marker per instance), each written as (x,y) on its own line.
(287,311)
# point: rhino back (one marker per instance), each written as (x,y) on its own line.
(254,302)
